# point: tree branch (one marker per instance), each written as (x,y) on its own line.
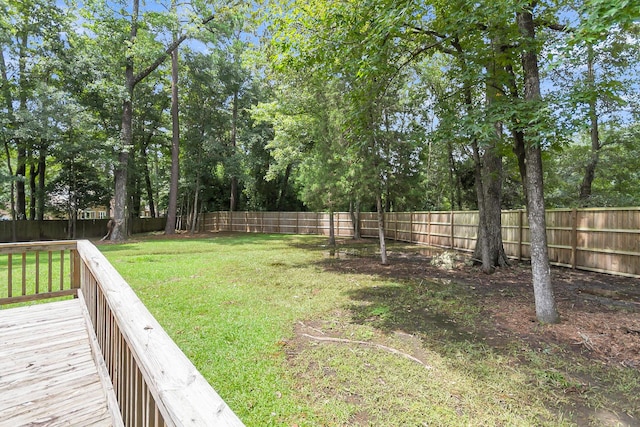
(173,46)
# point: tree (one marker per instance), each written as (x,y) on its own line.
(30,44)
(595,90)
(546,310)
(172,207)
(131,80)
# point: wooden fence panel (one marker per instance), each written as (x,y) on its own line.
(440,225)
(598,239)
(271,222)
(465,230)
(343,224)
(420,227)
(46,230)
(368,224)
(608,240)
(307,223)
(288,222)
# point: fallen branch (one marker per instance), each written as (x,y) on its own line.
(586,341)
(370,344)
(312,328)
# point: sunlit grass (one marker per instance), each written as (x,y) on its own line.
(233,304)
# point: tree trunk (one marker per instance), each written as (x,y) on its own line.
(482,249)
(488,176)
(40,193)
(332,233)
(233,201)
(121,170)
(147,182)
(355,218)
(493,254)
(546,310)
(170,226)
(120,196)
(194,220)
(590,169)
(33,175)
(518,135)
(454,179)
(283,191)
(383,245)
(6,91)
(21,168)
(120,231)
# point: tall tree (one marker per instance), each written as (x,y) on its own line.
(546,310)
(130,81)
(172,206)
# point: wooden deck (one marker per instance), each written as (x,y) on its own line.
(49,374)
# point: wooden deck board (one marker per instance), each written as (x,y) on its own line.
(48,373)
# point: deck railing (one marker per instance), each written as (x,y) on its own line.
(39,270)
(154,383)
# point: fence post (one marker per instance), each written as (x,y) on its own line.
(452,233)
(411,227)
(395,227)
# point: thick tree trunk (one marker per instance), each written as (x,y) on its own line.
(170,226)
(383,245)
(492,179)
(120,231)
(546,310)
(488,176)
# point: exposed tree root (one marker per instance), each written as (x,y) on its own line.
(370,344)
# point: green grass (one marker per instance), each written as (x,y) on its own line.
(237,305)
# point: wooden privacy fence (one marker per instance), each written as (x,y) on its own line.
(604,240)
(58,229)
(153,382)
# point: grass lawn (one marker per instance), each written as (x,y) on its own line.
(288,340)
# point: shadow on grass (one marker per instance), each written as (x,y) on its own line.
(423,309)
